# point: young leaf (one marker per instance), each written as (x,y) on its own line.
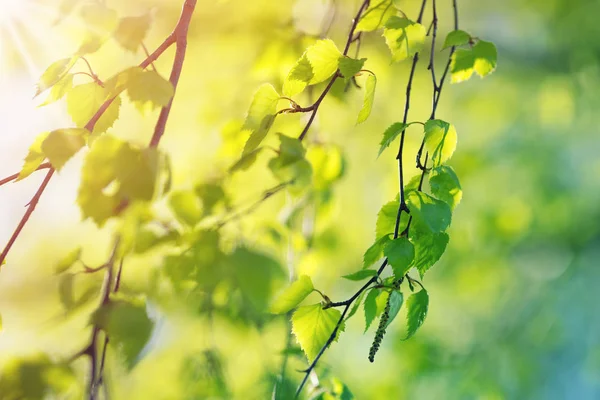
(54,73)
(131,31)
(375,252)
(370,307)
(62,144)
(364,113)
(59,89)
(396,298)
(34,158)
(83,101)
(318,63)
(375,16)
(400,254)
(456,38)
(390,134)
(98,18)
(186,206)
(429,247)
(128,326)
(245,161)
(355,306)
(299,172)
(360,275)
(350,66)
(403,37)
(440,140)
(67,261)
(261,115)
(147,89)
(290,150)
(433,213)
(481,58)
(417,305)
(292,295)
(312,326)
(445,185)
(386,219)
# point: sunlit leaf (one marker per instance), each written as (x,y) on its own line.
(34,158)
(131,31)
(375,252)
(403,37)
(360,275)
(147,89)
(376,15)
(481,58)
(83,101)
(261,115)
(327,163)
(58,91)
(62,144)
(433,213)
(445,185)
(312,326)
(364,113)
(400,254)
(386,219)
(440,140)
(318,63)
(54,73)
(456,38)
(98,18)
(429,247)
(417,306)
(186,206)
(292,295)
(350,66)
(390,134)
(67,261)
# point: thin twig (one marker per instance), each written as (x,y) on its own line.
(11,178)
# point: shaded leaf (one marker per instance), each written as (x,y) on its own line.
(400,254)
(67,261)
(292,295)
(375,252)
(312,326)
(259,134)
(429,247)
(417,306)
(390,134)
(440,140)
(186,206)
(364,113)
(445,185)
(350,66)
(131,31)
(245,161)
(396,298)
(386,219)
(456,38)
(62,144)
(433,213)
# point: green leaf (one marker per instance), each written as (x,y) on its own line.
(292,295)
(62,144)
(370,307)
(440,140)
(128,326)
(258,135)
(186,206)
(148,90)
(429,247)
(355,306)
(481,58)
(433,213)
(403,37)
(246,160)
(396,298)
(456,38)
(375,16)
(54,73)
(360,275)
(131,31)
(83,101)
(386,219)
(312,326)
(34,158)
(328,164)
(261,115)
(417,305)
(62,87)
(364,113)
(445,185)
(350,66)
(300,172)
(67,261)
(318,63)
(390,134)
(375,252)
(211,195)
(400,254)
(290,150)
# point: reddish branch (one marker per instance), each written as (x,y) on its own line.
(178,37)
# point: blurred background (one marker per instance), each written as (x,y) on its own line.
(514,300)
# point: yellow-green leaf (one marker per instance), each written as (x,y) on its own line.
(481,58)
(59,89)
(376,16)
(83,101)
(186,206)
(62,144)
(261,115)
(364,113)
(312,326)
(147,89)
(67,261)
(292,295)
(403,37)
(440,140)
(318,63)
(54,73)
(34,158)
(131,31)
(417,306)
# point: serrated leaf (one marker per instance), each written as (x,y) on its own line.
(128,326)
(131,31)
(375,252)
(375,16)
(322,58)
(396,298)
(258,135)
(456,38)
(417,305)
(54,73)
(433,213)
(481,58)
(59,89)
(264,102)
(148,90)
(83,101)
(429,247)
(445,185)
(34,158)
(350,66)
(386,219)
(246,160)
(370,307)
(186,206)
(364,113)
(62,144)
(390,134)
(360,275)
(312,326)
(440,140)
(400,254)
(292,295)
(403,37)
